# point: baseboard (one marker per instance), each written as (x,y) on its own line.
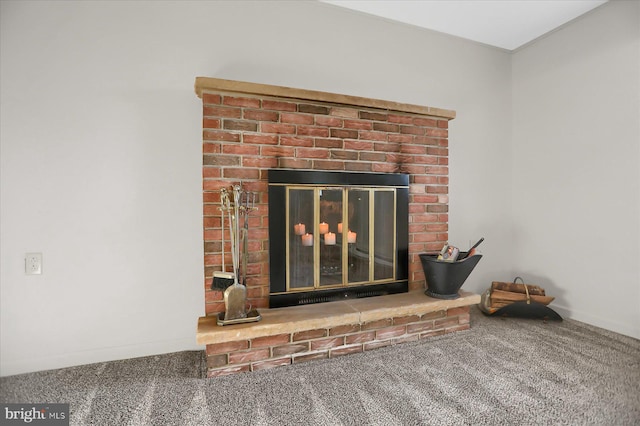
(607,324)
(71,359)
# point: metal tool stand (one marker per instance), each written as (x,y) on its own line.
(236,205)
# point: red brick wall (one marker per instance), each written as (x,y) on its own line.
(244,135)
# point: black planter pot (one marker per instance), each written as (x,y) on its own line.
(444,279)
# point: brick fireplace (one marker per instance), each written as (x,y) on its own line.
(250,128)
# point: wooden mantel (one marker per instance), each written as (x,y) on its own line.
(205,84)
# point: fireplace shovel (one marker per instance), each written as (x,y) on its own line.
(235,299)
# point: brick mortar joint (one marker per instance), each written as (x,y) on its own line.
(311,352)
(346,346)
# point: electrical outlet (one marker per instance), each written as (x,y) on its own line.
(33,263)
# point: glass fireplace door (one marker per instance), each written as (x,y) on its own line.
(336,235)
(358,229)
(383,224)
(300,239)
(330,242)
(339,237)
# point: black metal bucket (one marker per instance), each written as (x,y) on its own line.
(444,279)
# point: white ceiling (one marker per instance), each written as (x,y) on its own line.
(507,24)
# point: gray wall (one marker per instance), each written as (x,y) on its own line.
(576,162)
(101,155)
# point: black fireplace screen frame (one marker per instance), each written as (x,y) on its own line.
(278,179)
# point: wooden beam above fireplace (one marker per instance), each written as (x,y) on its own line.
(205,84)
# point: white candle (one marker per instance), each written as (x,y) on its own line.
(300,229)
(340,228)
(307,240)
(330,239)
(324,228)
(351,237)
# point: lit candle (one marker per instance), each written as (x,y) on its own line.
(300,229)
(324,228)
(340,228)
(330,239)
(351,237)
(307,240)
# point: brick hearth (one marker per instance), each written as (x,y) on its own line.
(297,334)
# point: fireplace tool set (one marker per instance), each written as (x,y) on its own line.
(236,206)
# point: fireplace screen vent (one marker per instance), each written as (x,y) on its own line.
(336,235)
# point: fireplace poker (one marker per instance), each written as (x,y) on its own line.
(235,235)
(245,235)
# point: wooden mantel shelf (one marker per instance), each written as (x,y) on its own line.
(208,84)
(326,315)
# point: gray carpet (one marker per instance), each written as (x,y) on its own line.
(501,372)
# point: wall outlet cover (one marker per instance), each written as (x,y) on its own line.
(33,264)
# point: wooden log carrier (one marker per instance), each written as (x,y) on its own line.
(506,293)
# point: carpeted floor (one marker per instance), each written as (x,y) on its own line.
(501,372)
